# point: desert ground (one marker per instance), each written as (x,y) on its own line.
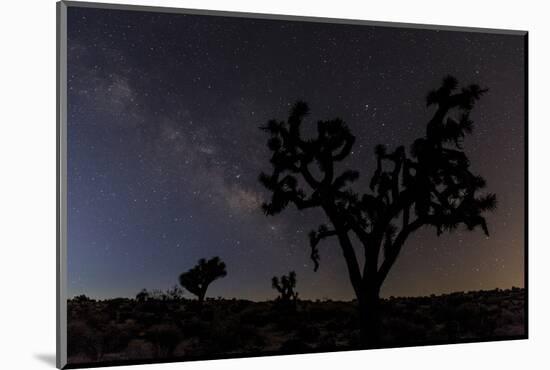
(163,327)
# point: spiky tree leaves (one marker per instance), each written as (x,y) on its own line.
(315,236)
(197,279)
(293,156)
(432,185)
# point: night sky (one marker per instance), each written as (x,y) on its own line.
(164,149)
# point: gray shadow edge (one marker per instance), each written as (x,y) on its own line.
(61,181)
(298,18)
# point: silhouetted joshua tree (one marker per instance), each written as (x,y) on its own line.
(202,275)
(285,286)
(431,186)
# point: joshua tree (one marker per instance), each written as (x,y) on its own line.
(199,277)
(430,186)
(285,286)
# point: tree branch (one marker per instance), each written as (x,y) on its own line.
(315,237)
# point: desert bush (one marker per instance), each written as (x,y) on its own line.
(509,317)
(84,340)
(308,333)
(194,327)
(139,349)
(255,317)
(230,335)
(404,331)
(116,338)
(82,299)
(294,345)
(165,338)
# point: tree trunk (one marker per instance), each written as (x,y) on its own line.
(201,296)
(369,314)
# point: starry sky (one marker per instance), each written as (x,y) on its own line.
(164,149)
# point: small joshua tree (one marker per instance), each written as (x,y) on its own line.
(202,275)
(285,286)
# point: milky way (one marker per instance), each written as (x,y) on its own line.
(164,149)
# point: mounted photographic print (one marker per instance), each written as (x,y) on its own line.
(236,185)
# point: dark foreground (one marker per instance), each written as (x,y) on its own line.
(127,330)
